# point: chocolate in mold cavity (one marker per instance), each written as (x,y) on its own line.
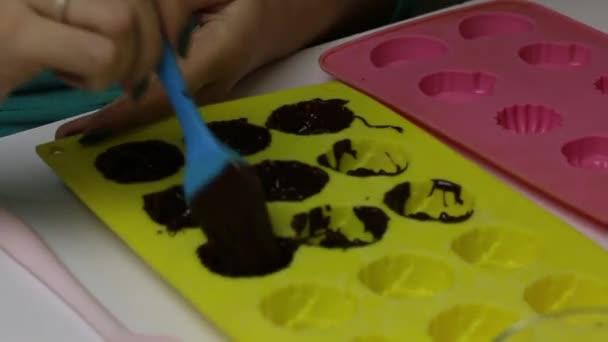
(169,208)
(141,161)
(217,261)
(397,200)
(345,147)
(316,116)
(284,180)
(366,226)
(241,136)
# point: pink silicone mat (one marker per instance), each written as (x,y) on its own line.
(519,85)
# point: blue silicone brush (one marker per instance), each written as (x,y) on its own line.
(222,191)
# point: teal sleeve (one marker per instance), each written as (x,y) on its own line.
(45,99)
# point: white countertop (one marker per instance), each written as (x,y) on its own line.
(30,313)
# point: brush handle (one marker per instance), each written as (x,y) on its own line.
(28,250)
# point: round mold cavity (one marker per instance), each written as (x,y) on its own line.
(471,323)
(529,119)
(365,158)
(406,275)
(406,49)
(458,86)
(563,292)
(305,306)
(602,85)
(556,55)
(496,247)
(340,226)
(590,153)
(494,24)
(433,200)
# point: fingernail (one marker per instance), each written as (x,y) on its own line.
(183,42)
(140,89)
(95,136)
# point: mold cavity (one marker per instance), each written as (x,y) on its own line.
(406,276)
(458,86)
(169,208)
(140,161)
(303,307)
(529,119)
(364,158)
(406,49)
(602,85)
(590,153)
(317,116)
(556,55)
(284,180)
(563,292)
(433,200)
(496,247)
(241,136)
(340,227)
(470,323)
(487,25)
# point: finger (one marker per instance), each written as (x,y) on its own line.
(80,52)
(176,23)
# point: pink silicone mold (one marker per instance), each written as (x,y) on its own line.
(515,83)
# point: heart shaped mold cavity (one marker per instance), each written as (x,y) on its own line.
(529,119)
(406,275)
(168,207)
(496,247)
(364,158)
(494,24)
(306,306)
(340,227)
(471,323)
(556,55)
(563,292)
(290,180)
(432,200)
(602,85)
(590,153)
(458,86)
(406,49)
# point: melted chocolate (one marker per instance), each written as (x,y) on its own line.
(290,180)
(397,198)
(318,223)
(316,116)
(241,136)
(142,161)
(169,209)
(234,217)
(345,147)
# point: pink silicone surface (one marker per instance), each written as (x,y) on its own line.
(519,85)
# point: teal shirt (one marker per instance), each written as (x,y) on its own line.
(46,99)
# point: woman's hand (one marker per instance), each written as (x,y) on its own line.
(235,37)
(89,44)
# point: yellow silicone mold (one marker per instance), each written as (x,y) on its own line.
(452,254)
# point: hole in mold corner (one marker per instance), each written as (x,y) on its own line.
(494,24)
(406,275)
(364,158)
(556,55)
(602,85)
(306,306)
(471,323)
(458,86)
(339,226)
(57,151)
(563,292)
(590,153)
(406,49)
(496,247)
(529,119)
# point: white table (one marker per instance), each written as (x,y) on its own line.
(29,313)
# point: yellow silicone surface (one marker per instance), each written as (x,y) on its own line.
(424,281)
